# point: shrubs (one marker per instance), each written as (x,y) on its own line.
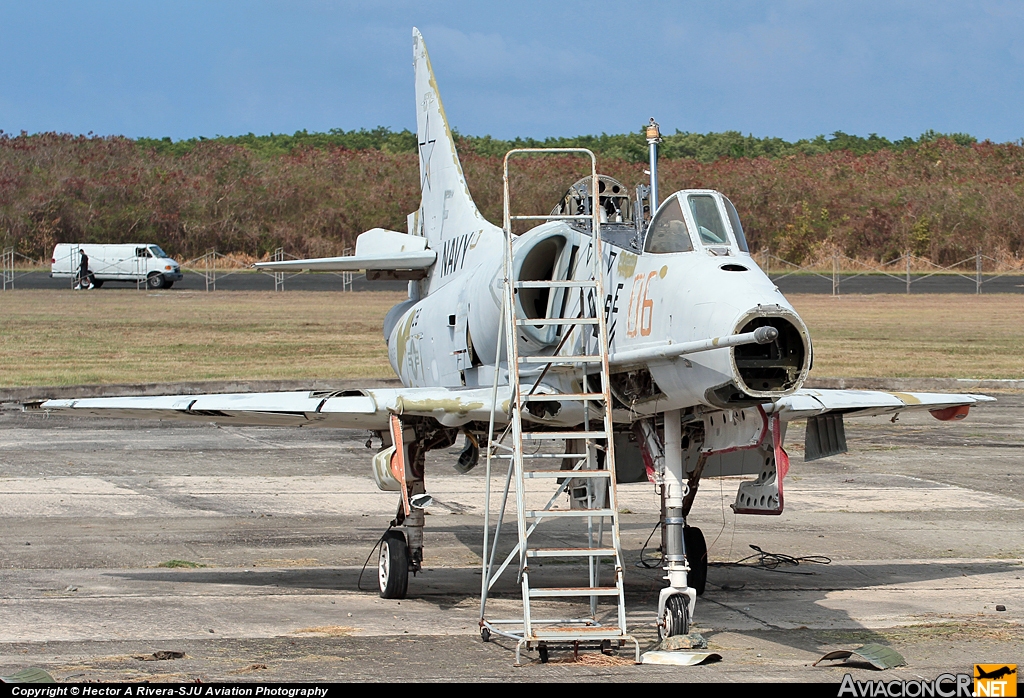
(938,197)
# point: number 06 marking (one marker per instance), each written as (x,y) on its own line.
(641,308)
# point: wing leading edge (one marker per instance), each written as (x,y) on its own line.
(807,403)
(352,409)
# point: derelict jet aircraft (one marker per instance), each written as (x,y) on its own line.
(644,338)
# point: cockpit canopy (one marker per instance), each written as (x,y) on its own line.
(695,219)
(692,219)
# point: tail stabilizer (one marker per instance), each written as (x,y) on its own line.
(446,206)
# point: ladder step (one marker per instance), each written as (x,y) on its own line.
(569,513)
(564,456)
(538,474)
(557,321)
(557,397)
(573,591)
(571,435)
(581,359)
(571,552)
(568,634)
(578,217)
(582,283)
(553,456)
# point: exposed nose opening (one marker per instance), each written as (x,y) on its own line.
(772,367)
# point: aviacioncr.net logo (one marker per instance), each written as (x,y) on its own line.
(944,686)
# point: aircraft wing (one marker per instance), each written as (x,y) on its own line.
(352,409)
(808,402)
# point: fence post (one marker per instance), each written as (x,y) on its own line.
(906,255)
(977,266)
(279,275)
(8,268)
(768,262)
(211,270)
(347,277)
(835,274)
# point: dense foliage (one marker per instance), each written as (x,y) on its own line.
(312,193)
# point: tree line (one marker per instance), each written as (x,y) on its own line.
(939,196)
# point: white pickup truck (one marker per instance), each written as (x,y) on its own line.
(135,262)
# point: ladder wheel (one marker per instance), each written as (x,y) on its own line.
(697,556)
(485,634)
(393,568)
(677,612)
(542,650)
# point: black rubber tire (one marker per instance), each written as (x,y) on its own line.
(97,284)
(168,284)
(697,556)
(485,634)
(155,281)
(542,650)
(393,566)
(677,615)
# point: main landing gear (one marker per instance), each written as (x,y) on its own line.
(393,568)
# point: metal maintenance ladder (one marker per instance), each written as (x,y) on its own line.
(589,450)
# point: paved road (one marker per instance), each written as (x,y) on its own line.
(796,283)
(924,522)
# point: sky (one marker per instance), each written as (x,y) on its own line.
(791,69)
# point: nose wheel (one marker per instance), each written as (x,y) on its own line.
(393,567)
(677,616)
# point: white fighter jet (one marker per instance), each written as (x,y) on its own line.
(706,357)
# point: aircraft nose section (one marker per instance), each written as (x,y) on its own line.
(779,365)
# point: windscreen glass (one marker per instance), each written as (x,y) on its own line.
(709,221)
(737,229)
(157,252)
(667,232)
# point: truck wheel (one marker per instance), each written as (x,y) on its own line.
(155,281)
(168,284)
(97,284)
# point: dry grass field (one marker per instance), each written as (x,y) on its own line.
(127,336)
(917,336)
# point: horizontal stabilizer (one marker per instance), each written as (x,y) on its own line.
(376,250)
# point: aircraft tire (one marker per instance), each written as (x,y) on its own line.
(697,556)
(393,567)
(677,615)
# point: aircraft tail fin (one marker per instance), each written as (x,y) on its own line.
(446,206)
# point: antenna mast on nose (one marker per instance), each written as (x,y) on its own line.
(653,139)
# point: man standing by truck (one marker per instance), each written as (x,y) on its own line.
(84,275)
